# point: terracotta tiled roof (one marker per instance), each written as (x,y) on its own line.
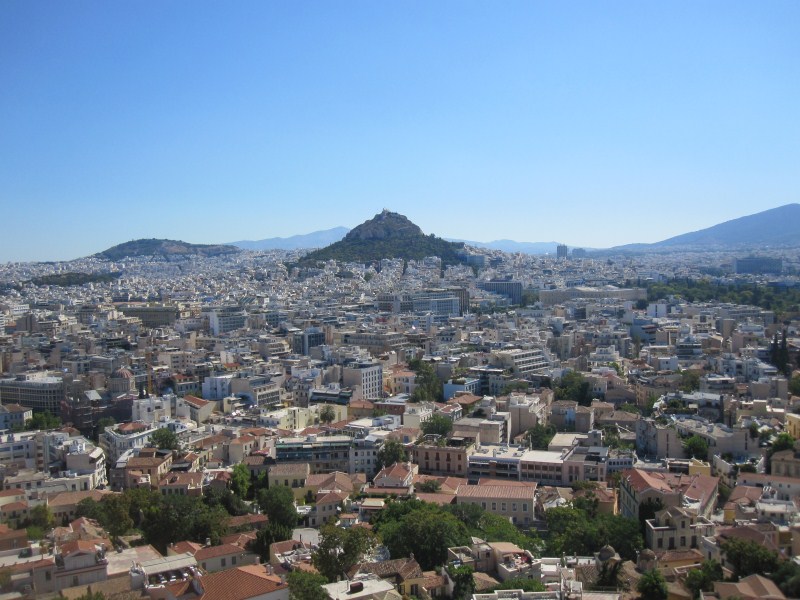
(207,552)
(247,520)
(500,492)
(241,583)
(403,568)
(440,499)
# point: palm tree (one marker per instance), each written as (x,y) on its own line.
(327,414)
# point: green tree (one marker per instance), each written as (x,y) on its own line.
(102,424)
(340,549)
(787,577)
(573,531)
(652,586)
(327,414)
(748,557)
(304,585)
(794,384)
(277,503)
(703,579)
(266,536)
(696,447)
(91,509)
(428,387)
(573,386)
(41,516)
(540,436)
(431,486)
(240,480)
(226,499)
(43,421)
(116,514)
(690,380)
(648,510)
(427,533)
(391,452)
(783,441)
(438,424)
(164,439)
(463,582)
(173,518)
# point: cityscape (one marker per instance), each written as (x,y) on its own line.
(181,418)
(513,314)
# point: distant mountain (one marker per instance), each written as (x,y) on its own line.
(512,246)
(316,239)
(387,235)
(165,248)
(774,227)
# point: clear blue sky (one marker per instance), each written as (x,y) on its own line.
(591,123)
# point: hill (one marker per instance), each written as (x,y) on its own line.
(164,248)
(774,227)
(387,235)
(315,239)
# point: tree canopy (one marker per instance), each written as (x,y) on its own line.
(573,386)
(164,439)
(327,414)
(43,421)
(304,585)
(576,531)
(438,424)
(652,586)
(540,436)
(391,452)
(428,387)
(696,447)
(748,557)
(277,502)
(340,549)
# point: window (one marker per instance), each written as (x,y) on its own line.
(223,562)
(494,505)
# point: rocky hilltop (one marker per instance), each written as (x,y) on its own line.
(387,235)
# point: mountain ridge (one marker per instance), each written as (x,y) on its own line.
(777,226)
(315,239)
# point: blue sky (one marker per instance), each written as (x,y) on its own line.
(589,123)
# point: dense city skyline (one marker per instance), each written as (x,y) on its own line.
(580,124)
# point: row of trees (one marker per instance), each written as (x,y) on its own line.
(167,519)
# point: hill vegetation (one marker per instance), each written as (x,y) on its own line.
(387,235)
(164,248)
